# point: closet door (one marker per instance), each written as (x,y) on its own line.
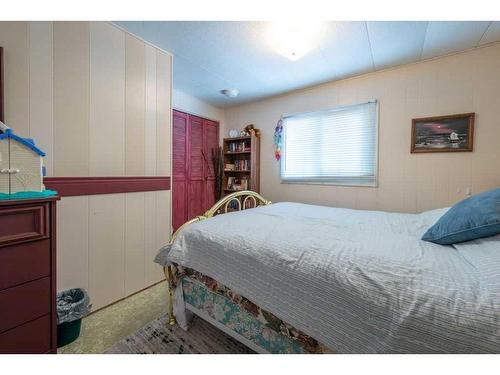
(193,177)
(196,168)
(211,141)
(179,169)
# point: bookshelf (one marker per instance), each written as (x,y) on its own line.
(241,164)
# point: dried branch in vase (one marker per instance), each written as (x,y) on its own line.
(218,163)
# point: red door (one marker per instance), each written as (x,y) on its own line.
(211,138)
(193,178)
(179,169)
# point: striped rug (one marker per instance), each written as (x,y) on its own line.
(158,337)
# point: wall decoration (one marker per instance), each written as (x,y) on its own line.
(278,139)
(233,133)
(453,133)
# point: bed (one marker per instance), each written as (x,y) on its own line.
(297,278)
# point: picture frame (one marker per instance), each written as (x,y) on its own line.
(451,133)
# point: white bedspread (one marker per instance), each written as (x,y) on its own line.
(357,281)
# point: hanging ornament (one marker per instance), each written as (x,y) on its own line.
(278,139)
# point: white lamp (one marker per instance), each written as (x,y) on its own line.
(294,39)
(230,93)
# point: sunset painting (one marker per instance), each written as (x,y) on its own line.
(443,133)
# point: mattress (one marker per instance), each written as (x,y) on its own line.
(356,281)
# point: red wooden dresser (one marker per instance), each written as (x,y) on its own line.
(28,276)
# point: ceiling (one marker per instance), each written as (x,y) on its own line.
(215,55)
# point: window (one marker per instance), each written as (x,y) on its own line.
(337,146)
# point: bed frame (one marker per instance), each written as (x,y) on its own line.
(236,201)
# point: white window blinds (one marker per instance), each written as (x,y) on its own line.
(337,146)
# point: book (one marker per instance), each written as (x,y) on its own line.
(237,147)
(239,165)
(237,184)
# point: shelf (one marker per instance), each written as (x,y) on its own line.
(238,153)
(234,139)
(246,157)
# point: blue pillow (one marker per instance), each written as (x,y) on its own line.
(473,218)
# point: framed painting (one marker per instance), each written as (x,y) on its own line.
(453,133)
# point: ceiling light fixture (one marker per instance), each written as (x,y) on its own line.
(230,93)
(294,39)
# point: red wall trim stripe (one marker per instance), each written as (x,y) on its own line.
(74,186)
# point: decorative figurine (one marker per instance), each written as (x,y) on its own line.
(21,163)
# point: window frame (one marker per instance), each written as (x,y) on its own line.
(333,181)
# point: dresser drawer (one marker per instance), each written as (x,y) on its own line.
(23,223)
(24,262)
(23,303)
(28,316)
(29,338)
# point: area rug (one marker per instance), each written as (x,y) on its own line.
(158,337)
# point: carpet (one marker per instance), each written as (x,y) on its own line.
(158,337)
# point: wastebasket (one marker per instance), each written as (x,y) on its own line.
(72,306)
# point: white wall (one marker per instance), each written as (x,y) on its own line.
(465,82)
(190,104)
(98,101)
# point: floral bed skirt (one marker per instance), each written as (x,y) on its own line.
(241,315)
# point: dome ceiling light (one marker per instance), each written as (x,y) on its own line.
(230,93)
(294,39)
